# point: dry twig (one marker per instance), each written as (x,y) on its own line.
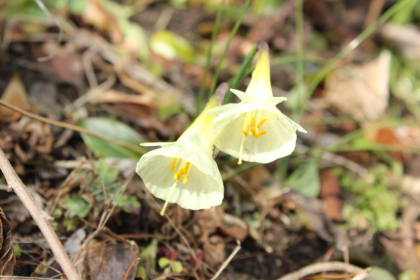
(322,267)
(40,217)
(127,272)
(409,218)
(234,252)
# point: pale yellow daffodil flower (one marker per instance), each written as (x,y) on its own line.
(254,129)
(184,171)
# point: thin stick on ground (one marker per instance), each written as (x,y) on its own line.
(75,128)
(127,272)
(323,267)
(40,217)
(225,263)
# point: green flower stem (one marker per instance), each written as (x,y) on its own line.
(200,97)
(234,30)
(239,169)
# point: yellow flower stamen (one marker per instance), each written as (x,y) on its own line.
(182,171)
(251,123)
(260,133)
(173,165)
(253,130)
(261,122)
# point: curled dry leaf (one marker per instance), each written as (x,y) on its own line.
(14,94)
(65,63)
(7,256)
(109,259)
(360,91)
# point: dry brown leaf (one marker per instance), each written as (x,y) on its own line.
(406,38)
(209,220)
(65,62)
(330,194)
(408,135)
(234,226)
(99,17)
(214,251)
(386,136)
(7,256)
(109,260)
(14,94)
(360,90)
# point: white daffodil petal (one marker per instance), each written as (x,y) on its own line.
(221,109)
(276,100)
(297,126)
(153,144)
(248,106)
(204,188)
(201,192)
(278,138)
(241,95)
(188,153)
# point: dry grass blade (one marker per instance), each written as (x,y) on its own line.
(7,256)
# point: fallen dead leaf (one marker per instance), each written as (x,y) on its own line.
(209,220)
(408,135)
(360,91)
(330,194)
(234,226)
(96,15)
(109,260)
(7,256)
(386,136)
(14,209)
(406,38)
(214,251)
(14,94)
(65,63)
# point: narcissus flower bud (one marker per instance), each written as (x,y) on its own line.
(254,129)
(184,171)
